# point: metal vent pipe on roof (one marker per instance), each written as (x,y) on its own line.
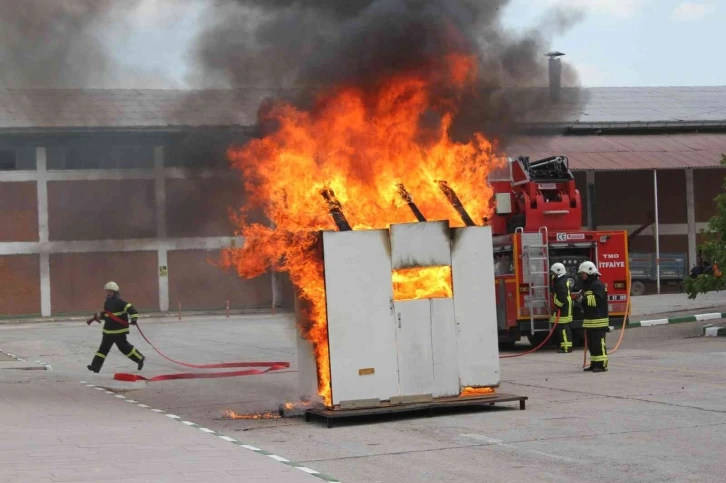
(555,71)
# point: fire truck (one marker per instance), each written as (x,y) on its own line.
(537,221)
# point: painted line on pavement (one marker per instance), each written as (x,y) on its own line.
(229,439)
(48,367)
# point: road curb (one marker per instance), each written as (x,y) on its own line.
(713,331)
(677,320)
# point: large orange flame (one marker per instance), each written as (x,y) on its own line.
(359,141)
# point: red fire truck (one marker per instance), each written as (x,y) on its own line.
(536,222)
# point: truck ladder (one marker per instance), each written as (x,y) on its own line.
(535,248)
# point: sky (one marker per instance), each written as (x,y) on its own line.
(617,42)
(638,42)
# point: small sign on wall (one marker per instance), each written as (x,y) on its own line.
(163,271)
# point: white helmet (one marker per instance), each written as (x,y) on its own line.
(558,269)
(111,286)
(588,268)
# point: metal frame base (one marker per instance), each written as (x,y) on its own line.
(331,415)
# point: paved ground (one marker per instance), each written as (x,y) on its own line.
(658,415)
(55,429)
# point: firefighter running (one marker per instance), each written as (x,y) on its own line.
(115,332)
(563,306)
(596,318)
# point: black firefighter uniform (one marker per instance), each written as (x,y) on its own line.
(563,304)
(596,321)
(115,333)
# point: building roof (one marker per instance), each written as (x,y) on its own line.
(127,109)
(626,152)
(627,108)
(148,109)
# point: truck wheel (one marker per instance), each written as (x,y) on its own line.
(507,346)
(638,288)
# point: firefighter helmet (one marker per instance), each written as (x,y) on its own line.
(111,286)
(558,269)
(588,268)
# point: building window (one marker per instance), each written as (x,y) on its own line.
(7,160)
(17,158)
(90,156)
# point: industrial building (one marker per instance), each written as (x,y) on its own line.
(133,185)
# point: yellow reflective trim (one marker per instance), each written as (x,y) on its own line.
(135,316)
(598,358)
(127,307)
(100,355)
(133,352)
(113,332)
(595,323)
(118,313)
(557,302)
(604,349)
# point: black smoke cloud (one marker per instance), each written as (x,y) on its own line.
(308,44)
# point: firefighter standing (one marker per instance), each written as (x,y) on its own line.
(115,332)
(563,306)
(596,318)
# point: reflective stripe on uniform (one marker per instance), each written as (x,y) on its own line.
(596,323)
(126,308)
(114,332)
(565,344)
(102,356)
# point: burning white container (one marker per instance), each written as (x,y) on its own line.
(387,350)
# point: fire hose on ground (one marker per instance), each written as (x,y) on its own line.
(270,366)
(552,331)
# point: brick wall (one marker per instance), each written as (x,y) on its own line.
(101,210)
(19,285)
(200,207)
(77,280)
(18,212)
(198,284)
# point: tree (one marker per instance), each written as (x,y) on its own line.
(712,250)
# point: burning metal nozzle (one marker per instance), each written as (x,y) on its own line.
(336,210)
(409,200)
(456,203)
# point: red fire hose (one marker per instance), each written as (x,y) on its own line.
(552,331)
(271,366)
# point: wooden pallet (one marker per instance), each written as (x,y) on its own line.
(331,415)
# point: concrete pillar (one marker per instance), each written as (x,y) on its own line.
(657,234)
(691,217)
(160,208)
(591,222)
(43,231)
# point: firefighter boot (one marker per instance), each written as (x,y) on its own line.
(602,366)
(141,363)
(97,363)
